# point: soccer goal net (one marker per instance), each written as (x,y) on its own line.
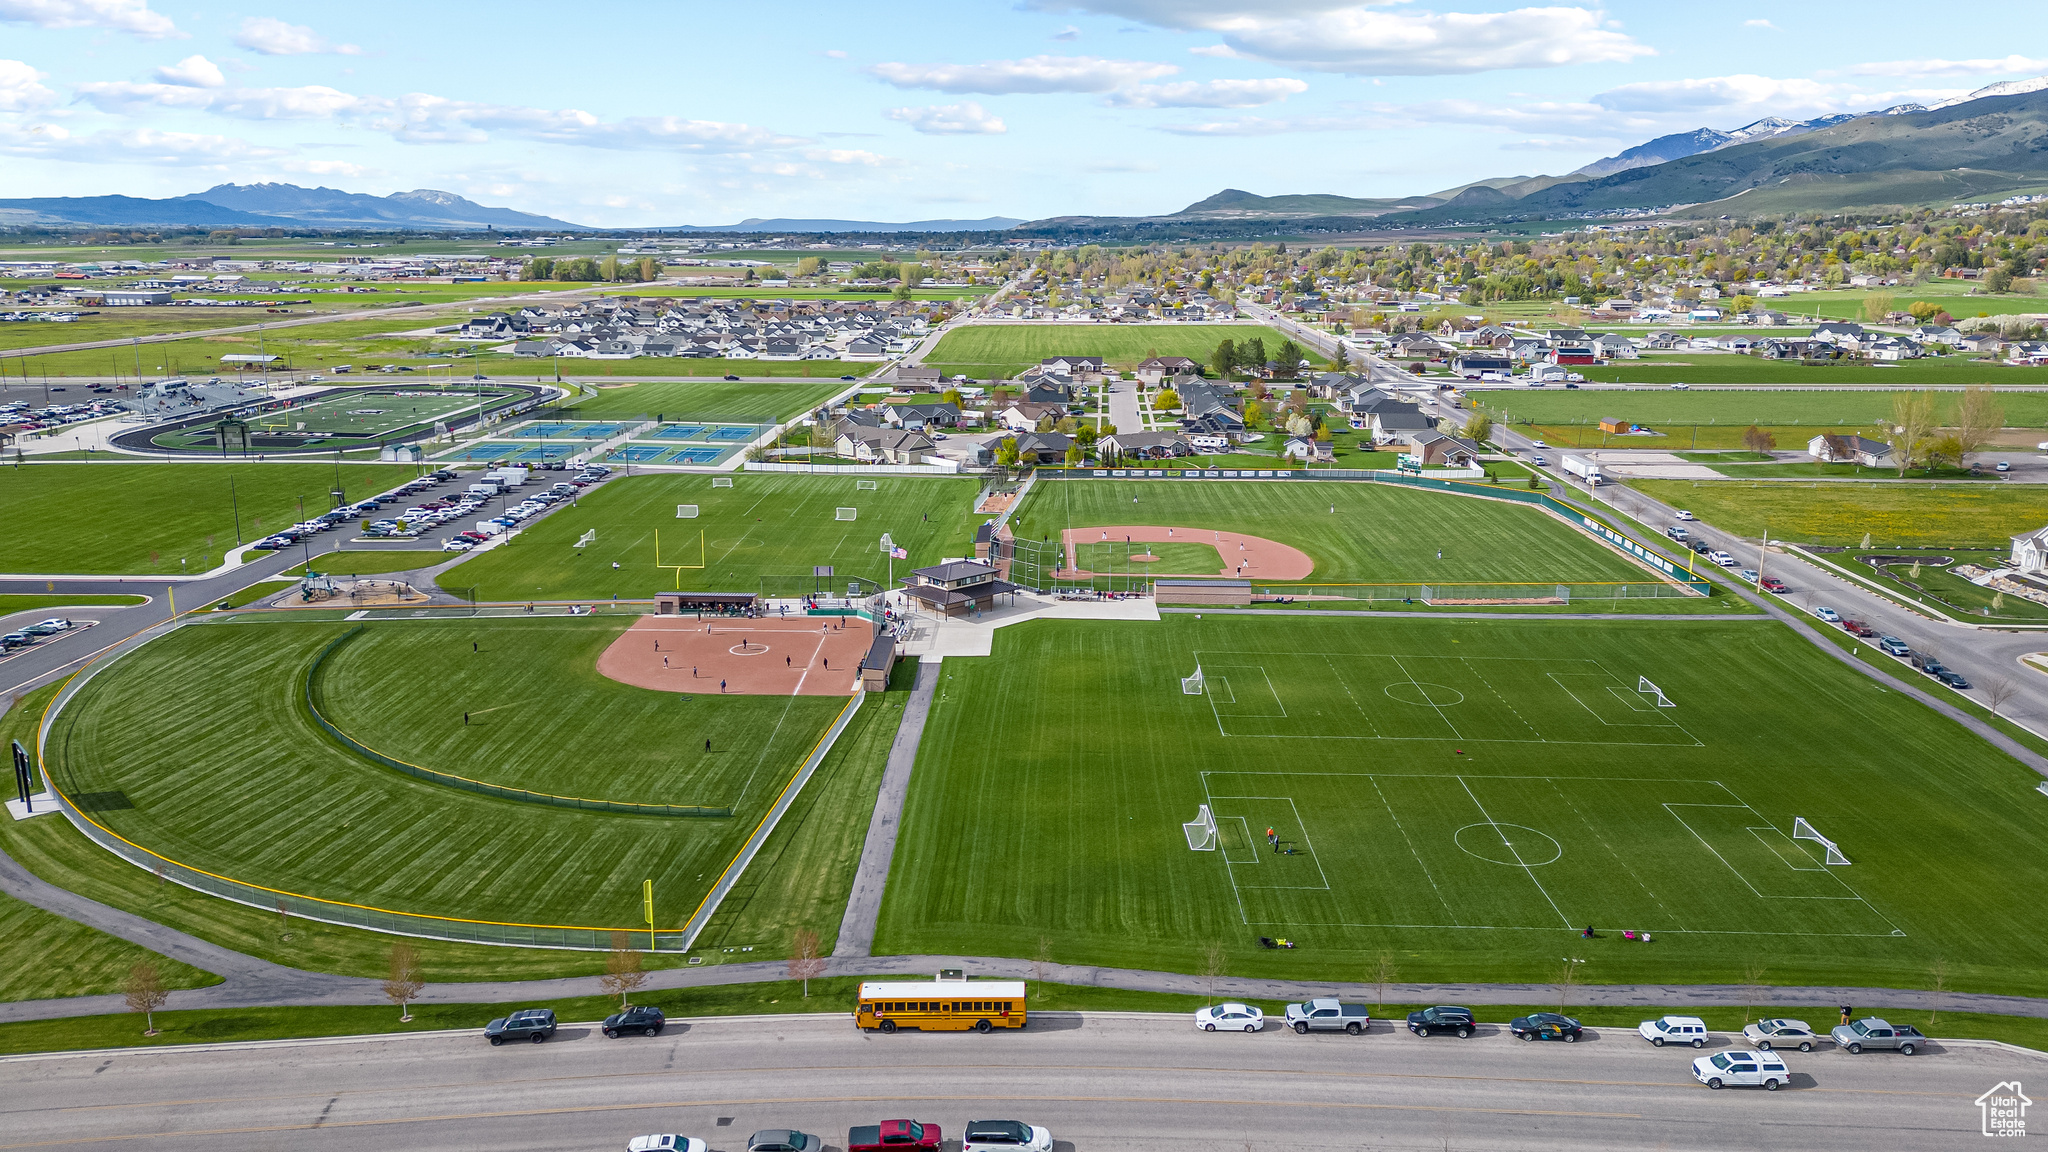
(1646,688)
(1201,831)
(864,486)
(721,481)
(846,514)
(1801,830)
(587,539)
(1192,685)
(686,511)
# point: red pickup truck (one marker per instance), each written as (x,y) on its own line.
(893,1134)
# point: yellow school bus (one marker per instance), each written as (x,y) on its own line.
(940,1005)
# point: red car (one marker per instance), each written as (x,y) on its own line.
(1773,584)
(1858,628)
(890,1134)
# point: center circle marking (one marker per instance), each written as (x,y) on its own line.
(748,649)
(1425,695)
(1498,843)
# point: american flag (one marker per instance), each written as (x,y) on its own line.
(900,554)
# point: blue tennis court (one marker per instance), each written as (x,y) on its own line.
(483,452)
(678,431)
(637,453)
(543,453)
(733,432)
(547,430)
(597,431)
(696,455)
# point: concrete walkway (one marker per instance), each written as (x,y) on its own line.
(864,903)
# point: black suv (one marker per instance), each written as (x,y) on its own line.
(535,1024)
(643,1019)
(1545,1026)
(1443,1018)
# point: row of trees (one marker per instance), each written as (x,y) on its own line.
(1250,355)
(1920,439)
(611,269)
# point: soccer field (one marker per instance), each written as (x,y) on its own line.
(992,350)
(1466,795)
(352,419)
(778,525)
(145,747)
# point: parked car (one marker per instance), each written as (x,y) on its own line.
(1721,558)
(1674,1030)
(891,1134)
(1681,387)
(1768,1034)
(1748,574)
(1442,1018)
(2004,466)
(458,544)
(16,640)
(530,1024)
(1682,514)
(1773,584)
(642,1018)
(1893,646)
(1871,1032)
(730,376)
(1004,1136)
(1233,1017)
(1545,1026)
(1858,628)
(50,627)
(1328,1016)
(1828,615)
(1701,547)
(666,1142)
(1953,679)
(1740,1070)
(1676,533)
(783,1140)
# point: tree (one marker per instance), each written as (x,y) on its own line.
(1252,354)
(1006,452)
(1298,425)
(1568,975)
(1383,974)
(403,985)
(1213,958)
(1757,440)
(805,963)
(1478,427)
(1223,359)
(144,991)
(1041,960)
(952,396)
(1998,280)
(1876,307)
(1752,986)
(1979,417)
(1166,400)
(1938,979)
(810,265)
(1087,434)
(1998,690)
(1343,361)
(622,973)
(1912,420)
(1075,454)
(1290,357)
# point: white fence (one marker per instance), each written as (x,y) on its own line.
(940,467)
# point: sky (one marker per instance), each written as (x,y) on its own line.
(614,113)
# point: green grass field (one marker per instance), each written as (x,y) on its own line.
(52,956)
(142,519)
(1931,515)
(1380,534)
(1003,350)
(766,524)
(1706,368)
(1467,795)
(13,602)
(1937,587)
(1662,408)
(309,817)
(743,402)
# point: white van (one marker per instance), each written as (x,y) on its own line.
(1674,1030)
(485,490)
(1740,1069)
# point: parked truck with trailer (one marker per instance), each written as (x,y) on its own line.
(1585,470)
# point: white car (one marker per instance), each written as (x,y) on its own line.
(991,1135)
(1740,1069)
(1680,387)
(1768,1034)
(666,1142)
(1674,1030)
(1682,514)
(1231,1018)
(1721,558)
(1538,444)
(1828,615)
(55,624)
(457,545)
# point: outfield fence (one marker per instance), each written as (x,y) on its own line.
(502,792)
(1435,592)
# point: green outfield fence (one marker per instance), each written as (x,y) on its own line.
(523,795)
(1535,592)
(1692,584)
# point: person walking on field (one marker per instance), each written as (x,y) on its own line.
(721,686)
(664,663)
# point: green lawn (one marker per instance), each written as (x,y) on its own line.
(1380,533)
(1466,794)
(1934,515)
(1003,350)
(12,602)
(142,519)
(1938,587)
(309,817)
(504,365)
(740,402)
(1726,368)
(52,956)
(766,524)
(1175,559)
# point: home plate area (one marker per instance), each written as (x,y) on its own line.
(1552,853)
(772,656)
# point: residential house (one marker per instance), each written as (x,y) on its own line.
(1936,334)
(1024,416)
(883,445)
(1833,449)
(1612,346)
(2030,552)
(1043,447)
(1088,368)
(1476,365)
(918,417)
(1841,332)
(1146,445)
(1981,342)
(1437,449)
(1158,368)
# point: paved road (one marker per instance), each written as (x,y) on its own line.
(1098,1081)
(864,903)
(1124,415)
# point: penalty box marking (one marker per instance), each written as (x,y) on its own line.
(1306,846)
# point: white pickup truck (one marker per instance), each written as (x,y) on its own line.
(1328,1016)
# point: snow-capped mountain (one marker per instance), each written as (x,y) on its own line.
(2002,88)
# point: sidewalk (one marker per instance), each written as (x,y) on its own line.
(974,635)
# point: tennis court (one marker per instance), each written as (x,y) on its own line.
(491,451)
(698,455)
(678,431)
(637,453)
(735,432)
(543,453)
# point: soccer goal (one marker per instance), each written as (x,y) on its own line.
(686,511)
(864,486)
(721,481)
(587,539)
(1646,688)
(1201,831)
(1801,830)
(847,514)
(1192,685)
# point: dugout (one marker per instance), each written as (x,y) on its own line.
(875,666)
(689,603)
(1202,591)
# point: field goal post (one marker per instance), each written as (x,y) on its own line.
(1801,830)
(721,481)
(1201,831)
(846,514)
(686,511)
(864,486)
(1192,686)
(1646,688)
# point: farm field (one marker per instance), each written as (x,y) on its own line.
(1707,368)
(1003,350)
(744,402)
(145,518)
(58,957)
(765,525)
(1464,795)
(1656,407)
(1952,515)
(315,819)
(1380,534)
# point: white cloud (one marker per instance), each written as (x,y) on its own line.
(1720,92)
(329,168)
(1068,33)
(966,119)
(21,88)
(1206,94)
(1365,39)
(137,146)
(1035,74)
(193,72)
(274,37)
(858,156)
(131,16)
(1760,23)
(1561,144)
(835,53)
(1264,126)
(2024,65)
(308,103)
